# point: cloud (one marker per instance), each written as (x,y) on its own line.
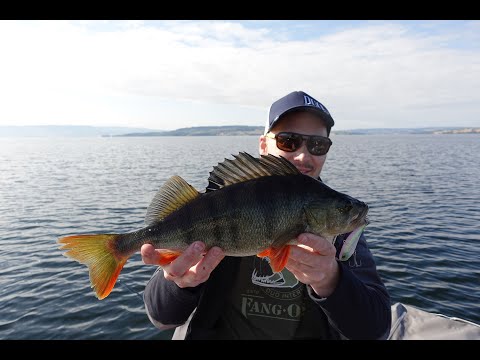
(374,74)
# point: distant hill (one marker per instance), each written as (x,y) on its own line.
(459,131)
(399,131)
(233,130)
(258,130)
(66,131)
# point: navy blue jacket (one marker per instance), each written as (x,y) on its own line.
(359,307)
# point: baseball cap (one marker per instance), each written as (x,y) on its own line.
(297,100)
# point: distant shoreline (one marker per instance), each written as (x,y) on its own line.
(460,131)
(258,130)
(232,130)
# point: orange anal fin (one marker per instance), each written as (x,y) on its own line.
(278,257)
(165,257)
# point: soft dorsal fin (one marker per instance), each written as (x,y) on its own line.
(246,167)
(175,193)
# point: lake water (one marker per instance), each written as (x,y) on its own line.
(423,192)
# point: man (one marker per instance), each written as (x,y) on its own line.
(210,296)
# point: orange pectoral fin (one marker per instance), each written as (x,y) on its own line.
(278,257)
(167,256)
(264,253)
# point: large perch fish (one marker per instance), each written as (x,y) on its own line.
(258,207)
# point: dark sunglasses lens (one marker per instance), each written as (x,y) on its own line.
(289,142)
(318,145)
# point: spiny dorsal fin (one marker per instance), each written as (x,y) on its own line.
(175,193)
(279,165)
(246,167)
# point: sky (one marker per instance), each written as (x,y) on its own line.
(171,74)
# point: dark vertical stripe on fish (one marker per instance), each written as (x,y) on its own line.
(267,209)
(280,203)
(186,225)
(234,230)
(213,208)
(287,192)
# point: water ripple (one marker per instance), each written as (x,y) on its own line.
(424,212)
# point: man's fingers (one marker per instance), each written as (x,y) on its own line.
(317,243)
(200,272)
(189,258)
(210,261)
(149,255)
(191,268)
(313,251)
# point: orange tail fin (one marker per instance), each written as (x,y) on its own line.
(97,252)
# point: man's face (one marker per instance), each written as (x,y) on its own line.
(303,123)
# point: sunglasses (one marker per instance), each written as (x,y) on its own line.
(289,142)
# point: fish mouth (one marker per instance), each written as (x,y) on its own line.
(360,219)
(367,221)
(358,225)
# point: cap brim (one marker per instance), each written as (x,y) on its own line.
(327,119)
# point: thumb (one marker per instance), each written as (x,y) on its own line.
(149,255)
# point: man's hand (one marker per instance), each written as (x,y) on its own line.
(313,262)
(191,268)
